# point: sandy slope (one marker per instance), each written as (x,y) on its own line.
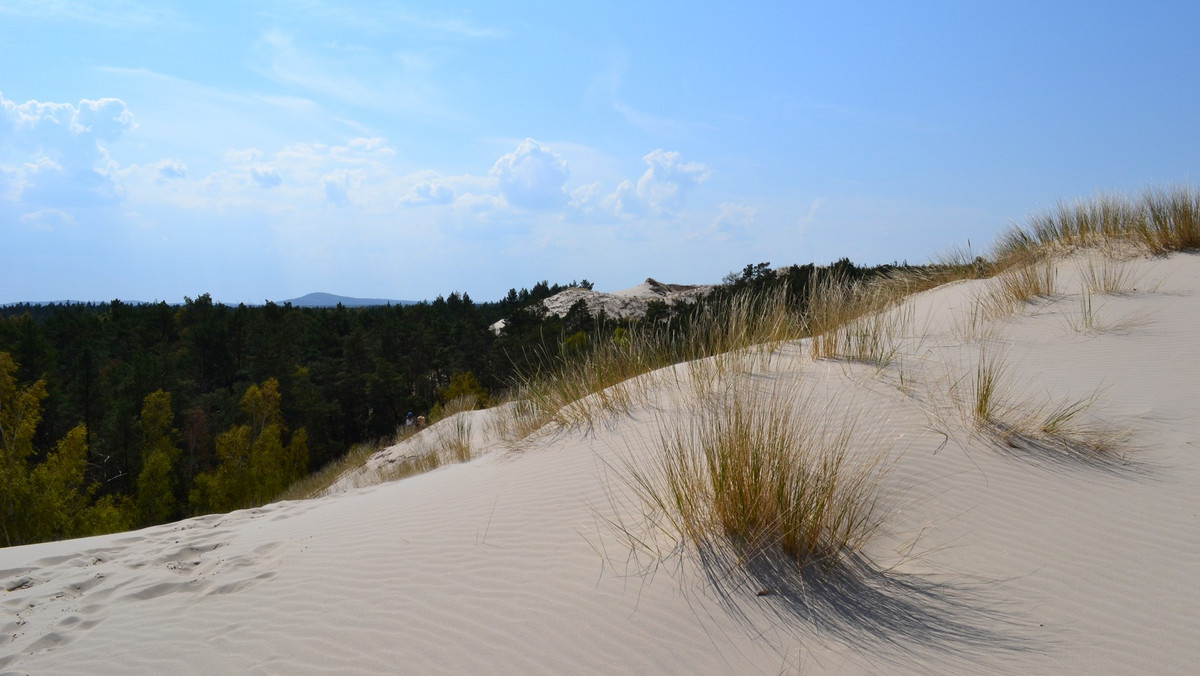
(993,558)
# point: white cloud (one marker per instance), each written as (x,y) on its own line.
(587,201)
(168,169)
(663,185)
(337,185)
(243,155)
(625,201)
(388,18)
(52,154)
(265,176)
(659,191)
(48,219)
(434,190)
(532,176)
(113,14)
(358,75)
(479,202)
(106,119)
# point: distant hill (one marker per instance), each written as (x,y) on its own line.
(332,300)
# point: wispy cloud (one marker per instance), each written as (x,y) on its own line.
(390,18)
(113,14)
(606,88)
(358,76)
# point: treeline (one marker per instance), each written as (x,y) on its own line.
(118,415)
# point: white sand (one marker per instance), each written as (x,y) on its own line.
(992,560)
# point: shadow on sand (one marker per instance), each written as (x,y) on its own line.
(914,620)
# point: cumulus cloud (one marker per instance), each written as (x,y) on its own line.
(171,169)
(265,176)
(663,185)
(433,191)
(105,119)
(532,176)
(587,201)
(54,152)
(659,191)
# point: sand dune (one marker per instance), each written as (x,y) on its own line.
(995,555)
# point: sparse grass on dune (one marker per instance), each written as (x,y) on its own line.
(858,322)
(1162,221)
(1106,274)
(1172,220)
(316,483)
(594,385)
(1018,285)
(762,472)
(429,454)
(863,322)
(1051,426)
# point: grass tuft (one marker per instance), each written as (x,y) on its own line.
(1162,221)
(1060,427)
(863,322)
(1019,285)
(1172,221)
(762,473)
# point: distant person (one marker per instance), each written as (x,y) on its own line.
(409,421)
(420,422)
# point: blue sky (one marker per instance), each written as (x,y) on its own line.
(264,150)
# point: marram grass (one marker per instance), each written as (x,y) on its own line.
(763,473)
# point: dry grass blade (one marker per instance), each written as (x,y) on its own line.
(1018,285)
(1105,274)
